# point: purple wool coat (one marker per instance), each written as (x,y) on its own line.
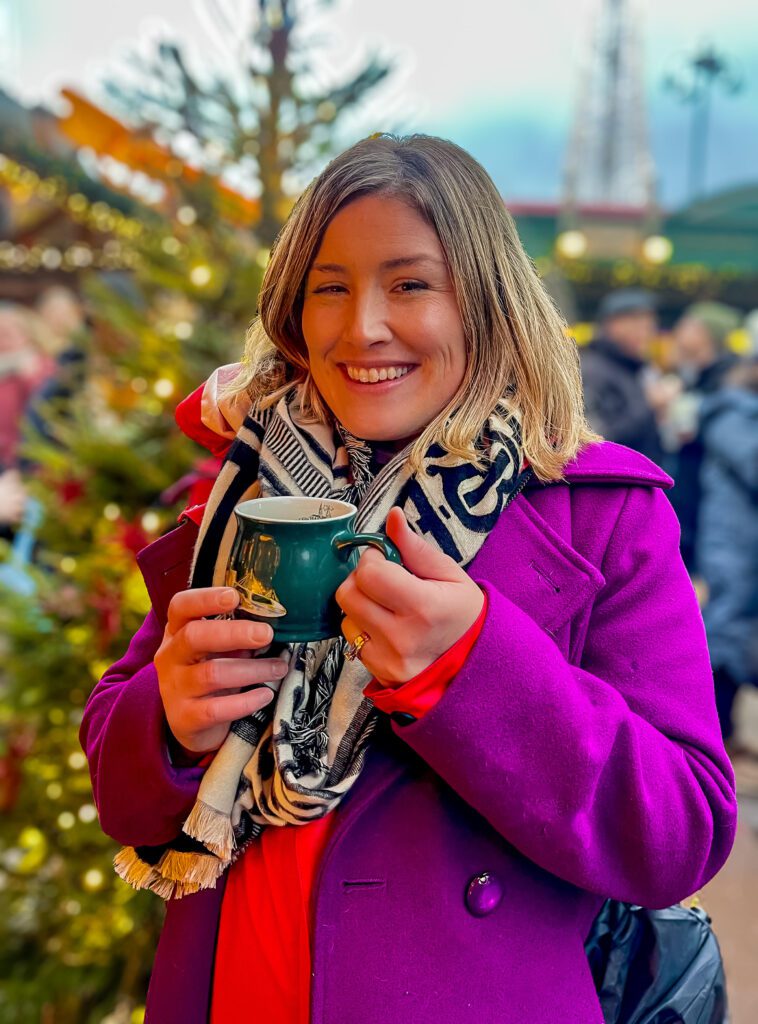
(576,756)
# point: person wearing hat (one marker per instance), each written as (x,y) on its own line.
(612,371)
(703,359)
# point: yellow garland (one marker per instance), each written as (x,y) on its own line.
(99,216)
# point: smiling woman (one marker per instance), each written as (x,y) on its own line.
(410,198)
(386,345)
(418,819)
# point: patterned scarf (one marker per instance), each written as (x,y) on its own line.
(294,760)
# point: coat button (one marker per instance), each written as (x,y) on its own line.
(484,894)
(402,717)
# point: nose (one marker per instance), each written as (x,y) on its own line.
(368,320)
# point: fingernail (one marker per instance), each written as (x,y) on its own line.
(228,599)
(261,633)
(281,669)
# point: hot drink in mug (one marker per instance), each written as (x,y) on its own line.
(289,556)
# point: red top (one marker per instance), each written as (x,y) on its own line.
(263,943)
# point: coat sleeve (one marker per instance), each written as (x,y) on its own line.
(610,774)
(141,797)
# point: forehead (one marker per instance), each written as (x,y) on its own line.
(378,226)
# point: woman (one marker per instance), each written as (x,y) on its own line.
(517,722)
(727,539)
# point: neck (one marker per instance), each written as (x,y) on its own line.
(392,446)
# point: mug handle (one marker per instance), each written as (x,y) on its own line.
(347,541)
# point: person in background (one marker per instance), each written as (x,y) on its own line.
(24,365)
(61,311)
(613,371)
(727,536)
(702,359)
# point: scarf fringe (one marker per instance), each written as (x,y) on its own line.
(196,869)
(134,871)
(175,875)
(212,828)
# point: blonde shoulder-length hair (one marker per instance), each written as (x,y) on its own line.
(519,351)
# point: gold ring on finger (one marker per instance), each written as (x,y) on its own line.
(354,649)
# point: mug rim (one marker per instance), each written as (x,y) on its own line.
(241,511)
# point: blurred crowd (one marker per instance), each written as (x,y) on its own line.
(693,410)
(685,398)
(38,346)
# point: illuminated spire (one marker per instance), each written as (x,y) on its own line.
(609,158)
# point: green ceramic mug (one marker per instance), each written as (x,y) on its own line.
(289,556)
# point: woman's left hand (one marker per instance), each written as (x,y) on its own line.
(412,612)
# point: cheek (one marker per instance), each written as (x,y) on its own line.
(454,357)
(310,330)
(441,338)
(320,326)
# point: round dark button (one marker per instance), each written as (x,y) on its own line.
(402,717)
(484,894)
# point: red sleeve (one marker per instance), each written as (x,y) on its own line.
(420,694)
(188,418)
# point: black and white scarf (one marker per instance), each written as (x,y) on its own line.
(294,760)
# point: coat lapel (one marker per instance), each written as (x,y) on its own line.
(533,564)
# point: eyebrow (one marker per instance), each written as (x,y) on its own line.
(393,264)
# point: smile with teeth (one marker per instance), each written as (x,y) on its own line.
(374,374)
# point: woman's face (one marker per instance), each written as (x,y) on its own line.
(379,303)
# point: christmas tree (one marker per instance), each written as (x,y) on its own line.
(269,124)
(76,943)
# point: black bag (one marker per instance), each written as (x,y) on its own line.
(656,966)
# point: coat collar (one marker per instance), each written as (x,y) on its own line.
(608,463)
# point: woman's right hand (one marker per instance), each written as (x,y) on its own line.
(203,663)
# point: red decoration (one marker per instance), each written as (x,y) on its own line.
(11,774)
(132,537)
(70,491)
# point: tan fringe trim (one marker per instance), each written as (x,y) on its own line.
(205,872)
(191,869)
(175,865)
(184,889)
(175,875)
(165,888)
(212,828)
(134,871)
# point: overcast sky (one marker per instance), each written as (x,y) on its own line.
(499,78)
